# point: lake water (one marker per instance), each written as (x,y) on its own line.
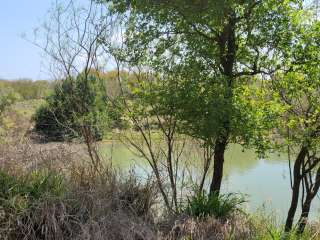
(266,182)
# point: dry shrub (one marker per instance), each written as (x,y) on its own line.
(97,205)
(24,156)
(117,225)
(315,229)
(236,227)
(70,219)
(108,206)
(115,191)
(115,207)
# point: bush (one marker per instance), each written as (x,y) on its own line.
(7,97)
(18,193)
(219,206)
(105,206)
(76,105)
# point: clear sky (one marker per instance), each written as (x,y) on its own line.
(18,57)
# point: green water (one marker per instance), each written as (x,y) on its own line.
(266,182)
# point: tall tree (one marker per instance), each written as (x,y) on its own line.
(215,46)
(298,90)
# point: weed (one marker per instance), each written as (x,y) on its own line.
(219,206)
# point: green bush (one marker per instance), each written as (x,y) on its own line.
(76,105)
(20,192)
(7,97)
(219,206)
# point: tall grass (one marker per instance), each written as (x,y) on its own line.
(268,227)
(19,192)
(215,205)
(44,197)
(48,195)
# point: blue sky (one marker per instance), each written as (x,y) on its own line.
(19,58)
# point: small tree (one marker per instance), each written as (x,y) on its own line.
(72,39)
(298,89)
(7,97)
(154,133)
(214,46)
(75,107)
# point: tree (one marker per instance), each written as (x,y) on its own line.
(74,40)
(75,108)
(298,90)
(153,134)
(7,98)
(215,46)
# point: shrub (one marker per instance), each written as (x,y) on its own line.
(108,206)
(236,228)
(19,192)
(7,97)
(76,105)
(219,206)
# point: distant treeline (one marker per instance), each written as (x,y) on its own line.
(28,89)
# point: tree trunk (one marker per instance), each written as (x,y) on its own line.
(304,214)
(307,204)
(171,173)
(295,188)
(228,48)
(293,206)
(207,157)
(220,147)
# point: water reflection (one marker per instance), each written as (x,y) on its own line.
(266,182)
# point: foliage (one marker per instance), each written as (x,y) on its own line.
(209,51)
(259,113)
(28,89)
(116,114)
(219,206)
(158,140)
(267,228)
(19,192)
(75,103)
(298,90)
(7,97)
(181,42)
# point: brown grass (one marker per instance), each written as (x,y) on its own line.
(108,205)
(104,205)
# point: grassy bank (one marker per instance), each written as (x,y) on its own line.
(50,194)
(16,121)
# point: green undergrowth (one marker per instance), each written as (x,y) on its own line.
(18,193)
(214,205)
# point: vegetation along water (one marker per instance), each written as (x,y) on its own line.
(173,120)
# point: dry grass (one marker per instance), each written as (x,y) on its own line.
(24,156)
(101,205)
(210,228)
(86,214)
(104,205)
